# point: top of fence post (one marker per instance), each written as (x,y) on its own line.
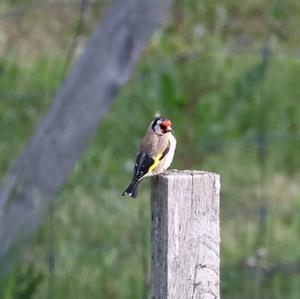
(185,235)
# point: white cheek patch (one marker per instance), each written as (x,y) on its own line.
(157,129)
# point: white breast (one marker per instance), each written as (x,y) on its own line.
(167,160)
(169,157)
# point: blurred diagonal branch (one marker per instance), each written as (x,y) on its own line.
(78,107)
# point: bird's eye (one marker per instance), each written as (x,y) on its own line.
(163,127)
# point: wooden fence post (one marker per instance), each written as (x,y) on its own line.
(185,235)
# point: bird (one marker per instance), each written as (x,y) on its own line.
(155,153)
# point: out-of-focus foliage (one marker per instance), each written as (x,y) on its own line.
(225,73)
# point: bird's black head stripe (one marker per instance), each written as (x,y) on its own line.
(156,120)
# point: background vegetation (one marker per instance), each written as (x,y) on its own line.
(227,74)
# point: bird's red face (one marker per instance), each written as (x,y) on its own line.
(161,126)
(166,126)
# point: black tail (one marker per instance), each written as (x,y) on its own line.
(132,189)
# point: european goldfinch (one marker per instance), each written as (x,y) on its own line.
(155,154)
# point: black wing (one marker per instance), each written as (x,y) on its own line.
(142,164)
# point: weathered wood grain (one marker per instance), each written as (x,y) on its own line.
(185,235)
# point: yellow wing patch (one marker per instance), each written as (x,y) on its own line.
(156,162)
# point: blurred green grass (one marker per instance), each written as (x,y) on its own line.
(205,70)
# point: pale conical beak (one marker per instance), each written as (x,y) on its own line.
(169,129)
